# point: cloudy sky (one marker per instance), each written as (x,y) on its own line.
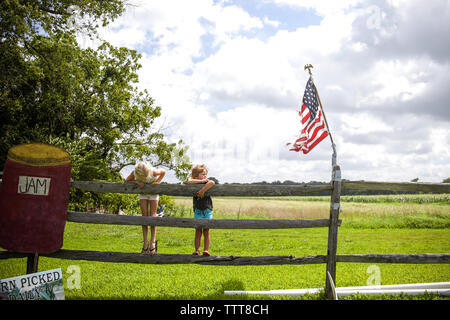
(229,77)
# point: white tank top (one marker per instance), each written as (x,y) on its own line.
(151,178)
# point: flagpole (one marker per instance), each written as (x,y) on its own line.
(309,67)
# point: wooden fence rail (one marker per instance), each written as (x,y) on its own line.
(398,186)
(196,223)
(191,189)
(258,189)
(126,257)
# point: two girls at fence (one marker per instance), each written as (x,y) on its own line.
(202,204)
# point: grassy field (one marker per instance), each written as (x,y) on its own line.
(389,211)
(368,227)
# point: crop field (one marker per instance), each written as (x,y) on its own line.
(398,224)
(387,211)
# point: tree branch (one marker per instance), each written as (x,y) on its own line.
(30,47)
(51,11)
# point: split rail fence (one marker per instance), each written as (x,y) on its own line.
(333,223)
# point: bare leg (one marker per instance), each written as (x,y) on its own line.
(206,239)
(153,208)
(198,239)
(144,210)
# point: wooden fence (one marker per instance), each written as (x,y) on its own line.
(331,258)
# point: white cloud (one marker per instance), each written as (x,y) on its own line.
(270,22)
(362,123)
(244,139)
(396,78)
(232,95)
(323,7)
(231,19)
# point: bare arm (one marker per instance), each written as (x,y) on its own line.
(132,179)
(207,186)
(160,173)
(197,181)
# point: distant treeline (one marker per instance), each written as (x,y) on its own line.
(326,193)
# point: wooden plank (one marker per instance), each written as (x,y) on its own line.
(32,263)
(397,186)
(83,217)
(12,255)
(335,209)
(190,190)
(123,257)
(258,190)
(415,258)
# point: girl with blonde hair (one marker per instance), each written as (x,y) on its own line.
(145,173)
(203,206)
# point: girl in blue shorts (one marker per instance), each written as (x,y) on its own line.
(203,206)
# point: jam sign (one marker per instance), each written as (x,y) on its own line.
(34,185)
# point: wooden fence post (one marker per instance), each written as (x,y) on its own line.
(335,208)
(32,262)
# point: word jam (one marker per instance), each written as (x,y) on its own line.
(229,309)
(33,185)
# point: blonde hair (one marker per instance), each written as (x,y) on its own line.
(197,169)
(142,171)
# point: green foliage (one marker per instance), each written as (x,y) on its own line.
(400,222)
(101,280)
(391,198)
(216,181)
(83,100)
(181,212)
(402,198)
(372,235)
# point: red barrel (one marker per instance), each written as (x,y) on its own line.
(33,198)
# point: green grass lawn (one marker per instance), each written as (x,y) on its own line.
(370,234)
(134,281)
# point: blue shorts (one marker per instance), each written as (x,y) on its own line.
(203,214)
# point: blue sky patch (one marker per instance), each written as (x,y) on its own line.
(290,18)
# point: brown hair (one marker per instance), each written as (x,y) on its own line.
(197,169)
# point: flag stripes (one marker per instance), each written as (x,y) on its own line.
(313,129)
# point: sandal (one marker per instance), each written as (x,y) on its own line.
(196,253)
(206,253)
(154,250)
(145,250)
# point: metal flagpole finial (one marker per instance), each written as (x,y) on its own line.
(309,67)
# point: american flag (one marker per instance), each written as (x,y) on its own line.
(313,128)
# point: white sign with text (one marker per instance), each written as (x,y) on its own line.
(45,285)
(33,185)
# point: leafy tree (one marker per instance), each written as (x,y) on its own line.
(216,181)
(446,180)
(83,100)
